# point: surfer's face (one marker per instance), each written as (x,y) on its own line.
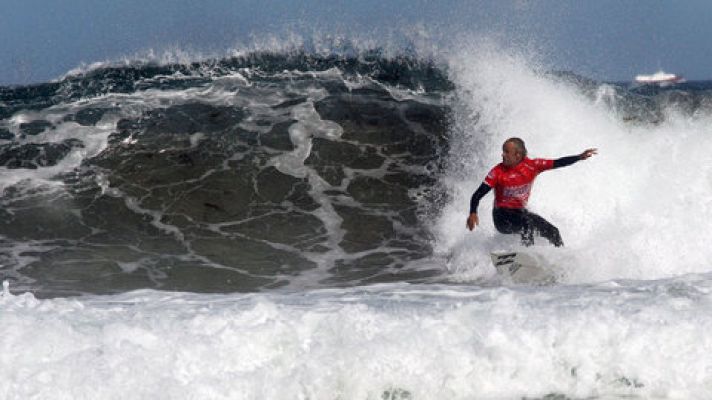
(510,154)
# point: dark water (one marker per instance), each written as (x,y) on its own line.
(244,174)
(177,183)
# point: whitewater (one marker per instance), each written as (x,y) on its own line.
(342,268)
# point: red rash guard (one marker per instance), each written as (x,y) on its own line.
(513,185)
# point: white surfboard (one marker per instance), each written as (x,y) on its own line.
(523,267)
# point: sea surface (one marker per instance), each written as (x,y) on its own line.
(291,225)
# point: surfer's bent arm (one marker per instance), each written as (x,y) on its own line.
(472,219)
(477,196)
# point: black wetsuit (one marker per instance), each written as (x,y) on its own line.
(521,220)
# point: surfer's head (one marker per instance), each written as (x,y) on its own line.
(513,151)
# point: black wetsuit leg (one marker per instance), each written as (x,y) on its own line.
(545,229)
(508,220)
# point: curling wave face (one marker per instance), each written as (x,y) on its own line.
(236,175)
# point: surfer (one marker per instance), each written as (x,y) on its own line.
(512,181)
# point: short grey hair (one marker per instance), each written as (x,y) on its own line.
(519,143)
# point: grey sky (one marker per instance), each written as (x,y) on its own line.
(612,40)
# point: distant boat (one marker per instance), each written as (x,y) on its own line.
(659,78)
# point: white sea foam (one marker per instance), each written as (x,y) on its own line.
(614,340)
(638,210)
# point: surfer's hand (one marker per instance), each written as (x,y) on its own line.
(588,153)
(472,221)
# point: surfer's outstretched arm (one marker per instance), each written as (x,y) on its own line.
(481,191)
(566,161)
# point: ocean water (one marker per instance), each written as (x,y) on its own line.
(291,224)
